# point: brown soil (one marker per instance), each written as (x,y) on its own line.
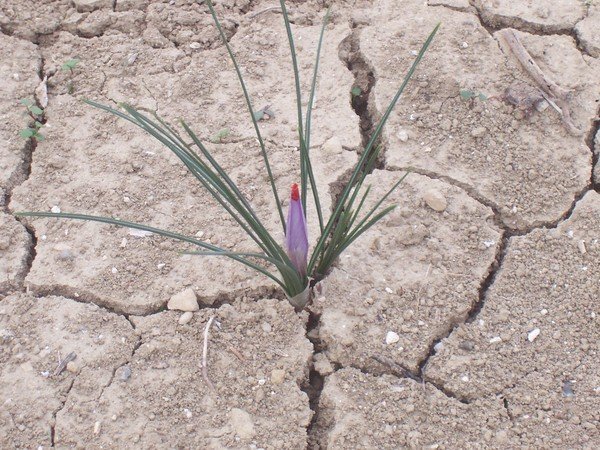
(468,318)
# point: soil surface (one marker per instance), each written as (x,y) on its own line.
(467,318)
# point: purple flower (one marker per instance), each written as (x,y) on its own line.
(296,234)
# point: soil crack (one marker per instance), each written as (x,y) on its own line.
(22,175)
(58,410)
(350,54)
(315,383)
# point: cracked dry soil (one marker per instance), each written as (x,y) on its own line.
(468,318)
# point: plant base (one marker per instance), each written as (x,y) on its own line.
(300,300)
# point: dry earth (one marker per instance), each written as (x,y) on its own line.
(468,318)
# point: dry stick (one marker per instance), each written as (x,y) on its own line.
(553,92)
(421,288)
(396,368)
(204,364)
(62,364)
(262,11)
(237,353)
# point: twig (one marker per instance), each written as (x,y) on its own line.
(262,11)
(397,368)
(204,364)
(62,364)
(237,353)
(553,92)
(421,288)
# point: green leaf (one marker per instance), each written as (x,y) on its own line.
(356,91)
(38,125)
(26,102)
(482,97)
(214,250)
(36,110)
(465,94)
(358,175)
(38,137)
(70,64)
(261,143)
(27,133)
(222,134)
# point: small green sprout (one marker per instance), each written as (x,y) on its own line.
(36,114)
(264,113)
(356,91)
(70,65)
(466,94)
(222,134)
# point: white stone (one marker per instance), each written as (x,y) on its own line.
(185,317)
(184,301)
(495,340)
(91,5)
(391,337)
(277,376)
(242,424)
(533,334)
(55,209)
(332,146)
(402,135)
(435,200)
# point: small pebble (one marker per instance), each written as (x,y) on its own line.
(125,373)
(188,413)
(435,200)
(55,209)
(533,334)
(266,327)
(242,424)
(332,146)
(114,270)
(185,317)
(391,337)
(568,389)
(72,367)
(389,290)
(277,376)
(97,426)
(467,345)
(184,301)
(541,106)
(195,45)
(478,132)
(402,135)
(495,340)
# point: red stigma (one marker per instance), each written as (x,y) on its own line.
(295,193)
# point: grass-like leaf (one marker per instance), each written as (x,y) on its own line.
(346,223)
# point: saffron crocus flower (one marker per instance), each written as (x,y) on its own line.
(296,234)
